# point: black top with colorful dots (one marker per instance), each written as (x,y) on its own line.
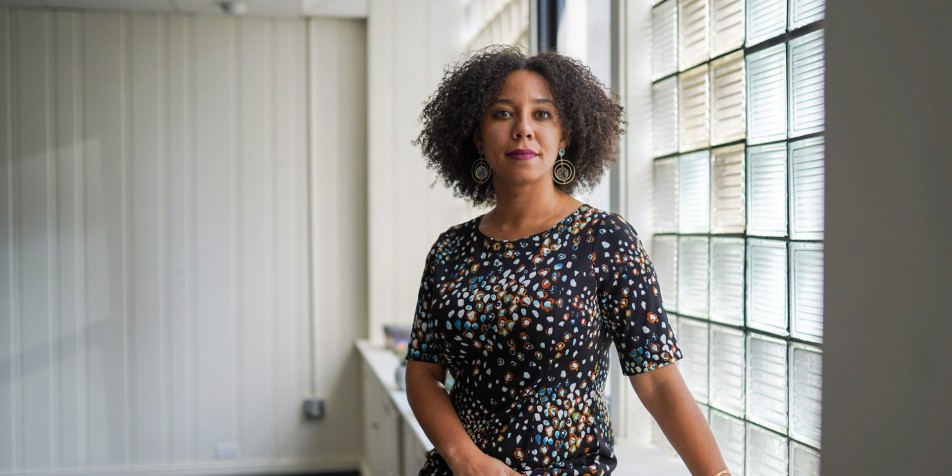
(524,326)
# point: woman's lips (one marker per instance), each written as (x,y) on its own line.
(522,154)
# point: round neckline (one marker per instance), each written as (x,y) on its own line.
(548,230)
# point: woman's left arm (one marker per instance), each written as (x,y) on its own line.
(667,398)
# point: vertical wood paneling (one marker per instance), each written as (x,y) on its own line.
(308,436)
(284,335)
(256,202)
(292,332)
(153,241)
(407,49)
(179,197)
(104,129)
(443,209)
(380,186)
(71,393)
(32,211)
(8,384)
(325,185)
(338,175)
(410,173)
(214,111)
(352,110)
(147,179)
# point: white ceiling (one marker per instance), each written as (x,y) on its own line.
(279,8)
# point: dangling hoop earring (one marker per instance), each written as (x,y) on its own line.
(481,171)
(564,172)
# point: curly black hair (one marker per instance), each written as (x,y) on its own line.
(590,117)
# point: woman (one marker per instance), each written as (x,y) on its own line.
(521,304)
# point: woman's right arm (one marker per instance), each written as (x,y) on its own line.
(433,409)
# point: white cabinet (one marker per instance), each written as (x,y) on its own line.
(414,453)
(394,443)
(381,428)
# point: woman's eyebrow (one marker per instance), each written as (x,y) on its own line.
(534,101)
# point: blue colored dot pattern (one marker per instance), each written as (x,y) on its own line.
(525,326)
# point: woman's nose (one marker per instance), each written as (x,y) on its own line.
(522,129)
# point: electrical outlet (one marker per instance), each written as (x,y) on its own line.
(314,408)
(226,450)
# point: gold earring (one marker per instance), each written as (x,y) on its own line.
(564,172)
(481,171)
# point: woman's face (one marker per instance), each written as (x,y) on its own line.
(521,131)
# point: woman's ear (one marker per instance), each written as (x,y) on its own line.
(477,134)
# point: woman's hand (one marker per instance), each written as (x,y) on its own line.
(478,463)
(442,425)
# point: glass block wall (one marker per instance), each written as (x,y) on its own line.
(738,108)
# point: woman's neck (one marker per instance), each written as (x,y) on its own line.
(525,212)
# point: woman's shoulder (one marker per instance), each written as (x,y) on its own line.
(454,236)
(605,222)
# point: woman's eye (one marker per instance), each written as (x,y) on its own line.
(502,114)
(543,115)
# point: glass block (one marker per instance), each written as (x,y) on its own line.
(692,276)
(727,370)
(767,382)
(803,12)
(664,110)
(664,39)
(806,291)
(693,340)
(664,255)
(729,433)
(804,461)
(806,395)
(666,195)
(694,192)
(694,109)
(767,95)
(727,280)
(767,190)
(807,181)
(766,452)
(727,26)
(806,84)
(693,45)
(728,109)
(767,285)
(728,199)
(765,19)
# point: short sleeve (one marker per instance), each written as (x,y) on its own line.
(630,299)
(424,344)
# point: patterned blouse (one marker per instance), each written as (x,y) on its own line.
(524,327)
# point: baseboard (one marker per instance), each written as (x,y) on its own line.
(348,464)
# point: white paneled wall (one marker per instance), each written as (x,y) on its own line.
(407,48)
(155,274)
